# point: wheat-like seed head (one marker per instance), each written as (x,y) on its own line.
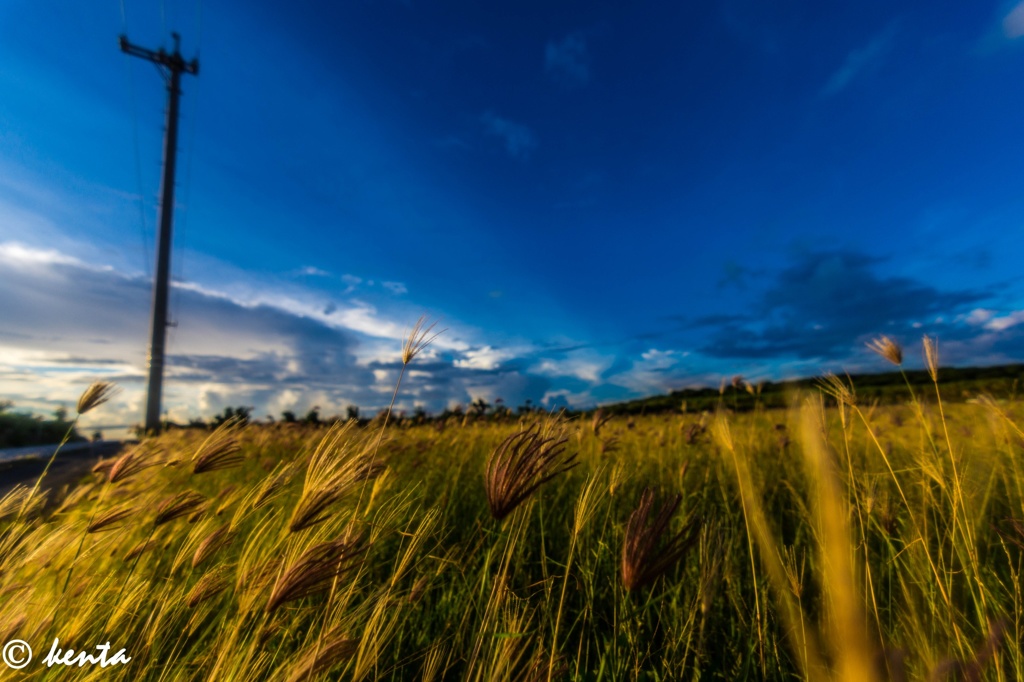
(218,539)
(931,356)
(110,519)
(98,393)
(519,465)
(314,570)
(210,585)
(132,462)
(336,468)
(329,650)
(220,450)
(644,555)
(834,386)
(418,339)
(888,349)
(180,504)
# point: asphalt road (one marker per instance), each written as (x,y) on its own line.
(75,460)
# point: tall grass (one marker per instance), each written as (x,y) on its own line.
(834,540)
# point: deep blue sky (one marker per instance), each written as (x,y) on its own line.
(598,200)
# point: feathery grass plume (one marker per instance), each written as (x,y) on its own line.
(644,556)
(333,648)
(210,585)
(178,505)
(336,468)
(110,519)
(132,462)
(212,543)
(931,356)
(220,450)
(520,464)
(418,339)
(15,500)
(834,386)
(314,570)
(1014,532)
(98,393)
(888,349)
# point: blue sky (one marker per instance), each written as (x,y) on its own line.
(599,201)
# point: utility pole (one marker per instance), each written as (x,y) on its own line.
(171,66)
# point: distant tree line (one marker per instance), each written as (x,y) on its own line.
(18,429)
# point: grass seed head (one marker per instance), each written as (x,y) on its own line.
(519,465)
(314,570)
(646,552)
(931,356)
(209,586)
(220,450)
(888,349)
(178,505)
(418,339)
(132,462)
(98,393)
(333,648)
(212,543)
(110,519)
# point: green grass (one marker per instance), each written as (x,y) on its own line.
(832,540)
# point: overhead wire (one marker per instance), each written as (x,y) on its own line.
(143,227)
(187,185)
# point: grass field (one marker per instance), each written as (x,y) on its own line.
(831,540)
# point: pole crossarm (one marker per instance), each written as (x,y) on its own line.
(173,61)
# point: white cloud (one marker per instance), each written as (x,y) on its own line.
(520,142)
(313,271)
(568,59)
(482,358)
(397,288)
(978,316)
(998,324)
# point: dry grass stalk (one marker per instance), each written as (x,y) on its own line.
(519,465)
(974,669)
(180,504)
(931,356)
(210,585)
(110,519)
(220,450)
(212,543)
(335,647)
(315,569)
(98,393)
(644,555)
(888,349)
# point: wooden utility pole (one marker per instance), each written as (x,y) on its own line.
(171,66)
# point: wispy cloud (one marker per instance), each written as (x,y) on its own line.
(1013,22)
(860,60)
(519,140)
(568,60)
